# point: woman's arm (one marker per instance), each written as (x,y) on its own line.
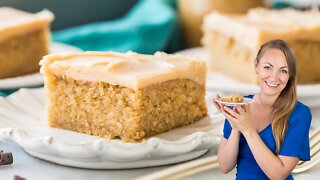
(228,148)
(228,151)
(275,167)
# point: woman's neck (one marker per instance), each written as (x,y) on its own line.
(266,101)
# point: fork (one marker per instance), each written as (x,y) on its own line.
(204,164)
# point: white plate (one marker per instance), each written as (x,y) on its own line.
(23,120)
(308,94)
(245,101)
(35,79)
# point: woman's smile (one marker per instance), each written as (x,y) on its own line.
(272,85)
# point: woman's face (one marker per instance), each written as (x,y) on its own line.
(272,71)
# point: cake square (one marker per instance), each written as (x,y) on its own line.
(24,40)
(128,96)
(234,98)
(232,41)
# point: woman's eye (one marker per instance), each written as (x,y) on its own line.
(267,67)
(284,71)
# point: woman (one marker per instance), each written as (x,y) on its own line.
(266,139)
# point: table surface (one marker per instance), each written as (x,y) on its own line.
(33,168)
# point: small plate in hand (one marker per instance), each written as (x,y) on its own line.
(246,101)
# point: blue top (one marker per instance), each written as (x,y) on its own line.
(296,143)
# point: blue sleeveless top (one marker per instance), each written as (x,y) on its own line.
(296,143)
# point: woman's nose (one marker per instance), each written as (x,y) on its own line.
(274,75)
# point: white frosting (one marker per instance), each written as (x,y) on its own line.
(286,17)
(130,70)
(260,25)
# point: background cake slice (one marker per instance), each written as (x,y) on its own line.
(24,40)
(233,41)
(128,96)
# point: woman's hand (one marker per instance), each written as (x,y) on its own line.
(219,106)
(239,117)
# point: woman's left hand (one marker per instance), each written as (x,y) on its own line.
(240,117)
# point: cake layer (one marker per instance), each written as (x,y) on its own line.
(229,57)
(14,22)
(260,25)
(130,69)
(108,111)
(24,40)
(21,55)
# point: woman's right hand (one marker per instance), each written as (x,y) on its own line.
(218,105)
(220,108)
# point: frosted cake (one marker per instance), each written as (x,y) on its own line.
(128,96)
(24,39)
(233,41)
(234,98)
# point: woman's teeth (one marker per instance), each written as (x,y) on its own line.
(272,85)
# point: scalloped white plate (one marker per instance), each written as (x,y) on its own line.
(35,79)
(23,120)
(308,94)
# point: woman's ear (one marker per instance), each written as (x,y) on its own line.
(256,65)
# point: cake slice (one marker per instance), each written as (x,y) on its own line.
(24,40)
(233,41)
(234,98)
(128,96)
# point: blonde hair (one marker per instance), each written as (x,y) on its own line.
(287,99)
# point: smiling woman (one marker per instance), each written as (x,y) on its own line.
(266,139)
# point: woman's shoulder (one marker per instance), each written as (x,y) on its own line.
(301,108)
(301,111)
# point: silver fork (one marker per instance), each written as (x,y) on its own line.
(196,166)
